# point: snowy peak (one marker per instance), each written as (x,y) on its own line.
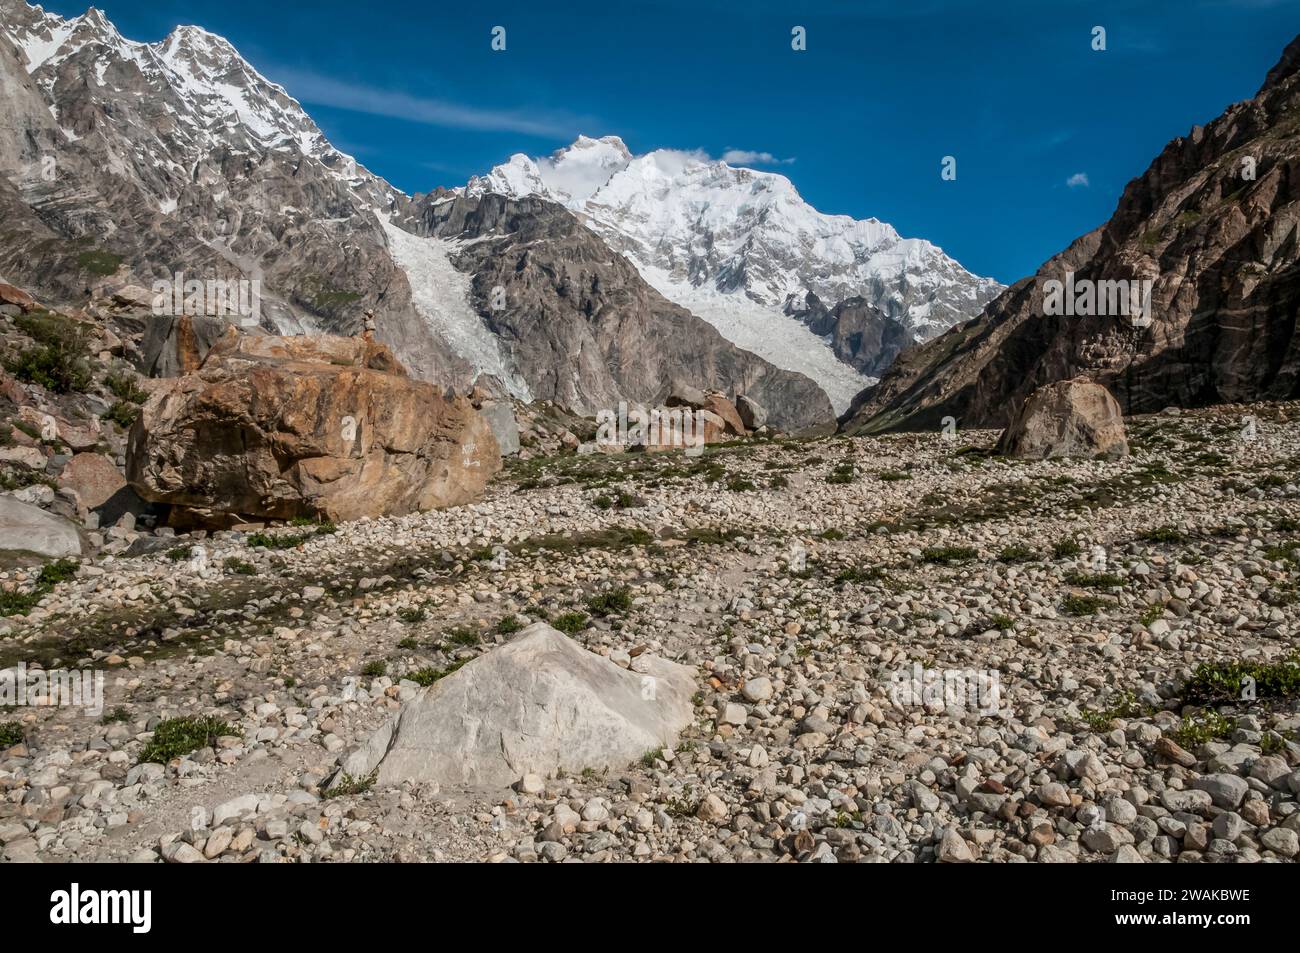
(740,247)
(212,97)
(569,176)
(712,226)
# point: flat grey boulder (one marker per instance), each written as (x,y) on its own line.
(29,529)
(540,704)
(1073,418)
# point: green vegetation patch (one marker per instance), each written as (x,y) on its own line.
(177,737)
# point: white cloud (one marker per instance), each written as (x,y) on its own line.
(749,157)
(1078,181)
(310,87)
(674,161)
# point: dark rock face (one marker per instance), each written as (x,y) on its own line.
(583,328)
(861,334)
(1212,224)
(175,346)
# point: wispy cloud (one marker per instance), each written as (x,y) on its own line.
(748,157)
(1078,181)
(314,88)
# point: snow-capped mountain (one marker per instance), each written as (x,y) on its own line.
(189,95)
(738,246)
(149,159)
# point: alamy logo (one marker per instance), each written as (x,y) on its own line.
(214,297)
(659,427)
(949,689)
(65,688)
(75,906)
(1084,297)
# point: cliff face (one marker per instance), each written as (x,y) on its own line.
(1212,224)
(580,325)
(861,334)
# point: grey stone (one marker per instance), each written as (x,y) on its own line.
(539,704)
(30,529)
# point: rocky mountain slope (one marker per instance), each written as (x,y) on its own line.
(1212,224)
(125,163)
(737,246)
(562,292)
(859,333)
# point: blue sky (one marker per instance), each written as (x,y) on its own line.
(885,90)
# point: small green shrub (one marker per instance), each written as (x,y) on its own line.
(610,602)
(61,570)
(51,574)
(177,737)
(948,555)
(124,388)
(55,369)
(277,540)
(1213,682)
(1094,580)
(843,473)
(99,262)
(509,625)
(412,614)
(348,785)
(463,635)
(427,676)
(1016,553)
(1163,534)
(1151,614)
(861,574)
(570,622)
(1066,549)
(1081,605)
(1196,730)
(122,414)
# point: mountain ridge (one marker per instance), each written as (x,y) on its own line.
(1214,223)
(180,157)
(741,248)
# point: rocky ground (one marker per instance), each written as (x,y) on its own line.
(1120,606)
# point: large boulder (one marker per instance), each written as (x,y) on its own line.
(540,704)
(752,414)
(30,534)
(16,296)
(85,436)
(1074,418)
(728,421)
(327,426)
(100,488)
(681,394)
